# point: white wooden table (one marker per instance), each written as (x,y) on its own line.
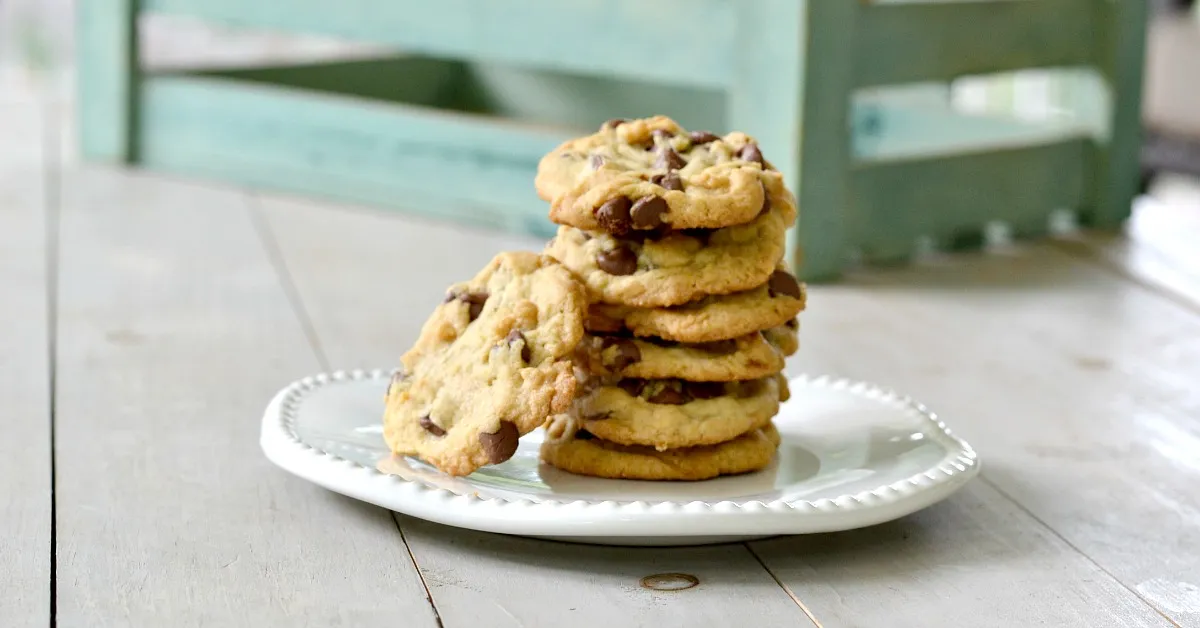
(144,322)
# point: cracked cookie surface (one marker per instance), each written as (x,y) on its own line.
(492,363)
(649,173)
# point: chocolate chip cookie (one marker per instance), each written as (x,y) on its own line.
(579,451)
(675,267)
(754,355)
(492,363)
(771,304)
(668,414)
(785,338)
(650,173)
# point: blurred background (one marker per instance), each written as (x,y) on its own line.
(299,81)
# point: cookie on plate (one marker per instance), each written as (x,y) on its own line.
(492,363)
(751,356)
(651,173)
(772,304)
(579,451)
(651,269)
(669,414)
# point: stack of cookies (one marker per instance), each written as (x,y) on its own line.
(679,240)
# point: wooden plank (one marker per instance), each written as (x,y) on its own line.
(174,333)
(974,560)
(1020,186)
(1158,246)
(1077,387)
(107,77)
(25,449)
(461,166)
(904,42)
(367,281)
(602,37)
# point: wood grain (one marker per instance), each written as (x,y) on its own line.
(368,281)
(974,560)
(1076,385)
(25,459)
(174,333)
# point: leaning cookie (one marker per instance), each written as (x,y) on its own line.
(772,304)
(668,414)
(648,173)
(491,364)
(751,356)
(674,267)
(580,452)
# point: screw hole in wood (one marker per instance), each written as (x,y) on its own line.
(669,581)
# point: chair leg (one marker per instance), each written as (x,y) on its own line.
(107,75)
(1122,60)
(805,131)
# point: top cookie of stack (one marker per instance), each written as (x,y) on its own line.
(655,216)
(679,238)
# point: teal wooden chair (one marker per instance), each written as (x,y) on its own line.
(455,123)
(904,173)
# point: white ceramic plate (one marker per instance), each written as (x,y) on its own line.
(853,455)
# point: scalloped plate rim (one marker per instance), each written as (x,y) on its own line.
(593,520)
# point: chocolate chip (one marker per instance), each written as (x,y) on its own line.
(475,301)
(782,282)
(597,320)
(613,123)
(632,386)
(672,182)
(648,211)
(595,161)
(792,323)
(750,152)
(626,352)
(672,394)
(706,390)
(702,137)
(431,427)
(584,435)
(719,347)
(619,261)
(669,159)
(662,134)
(502,444)
(613,215)
(526,350)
